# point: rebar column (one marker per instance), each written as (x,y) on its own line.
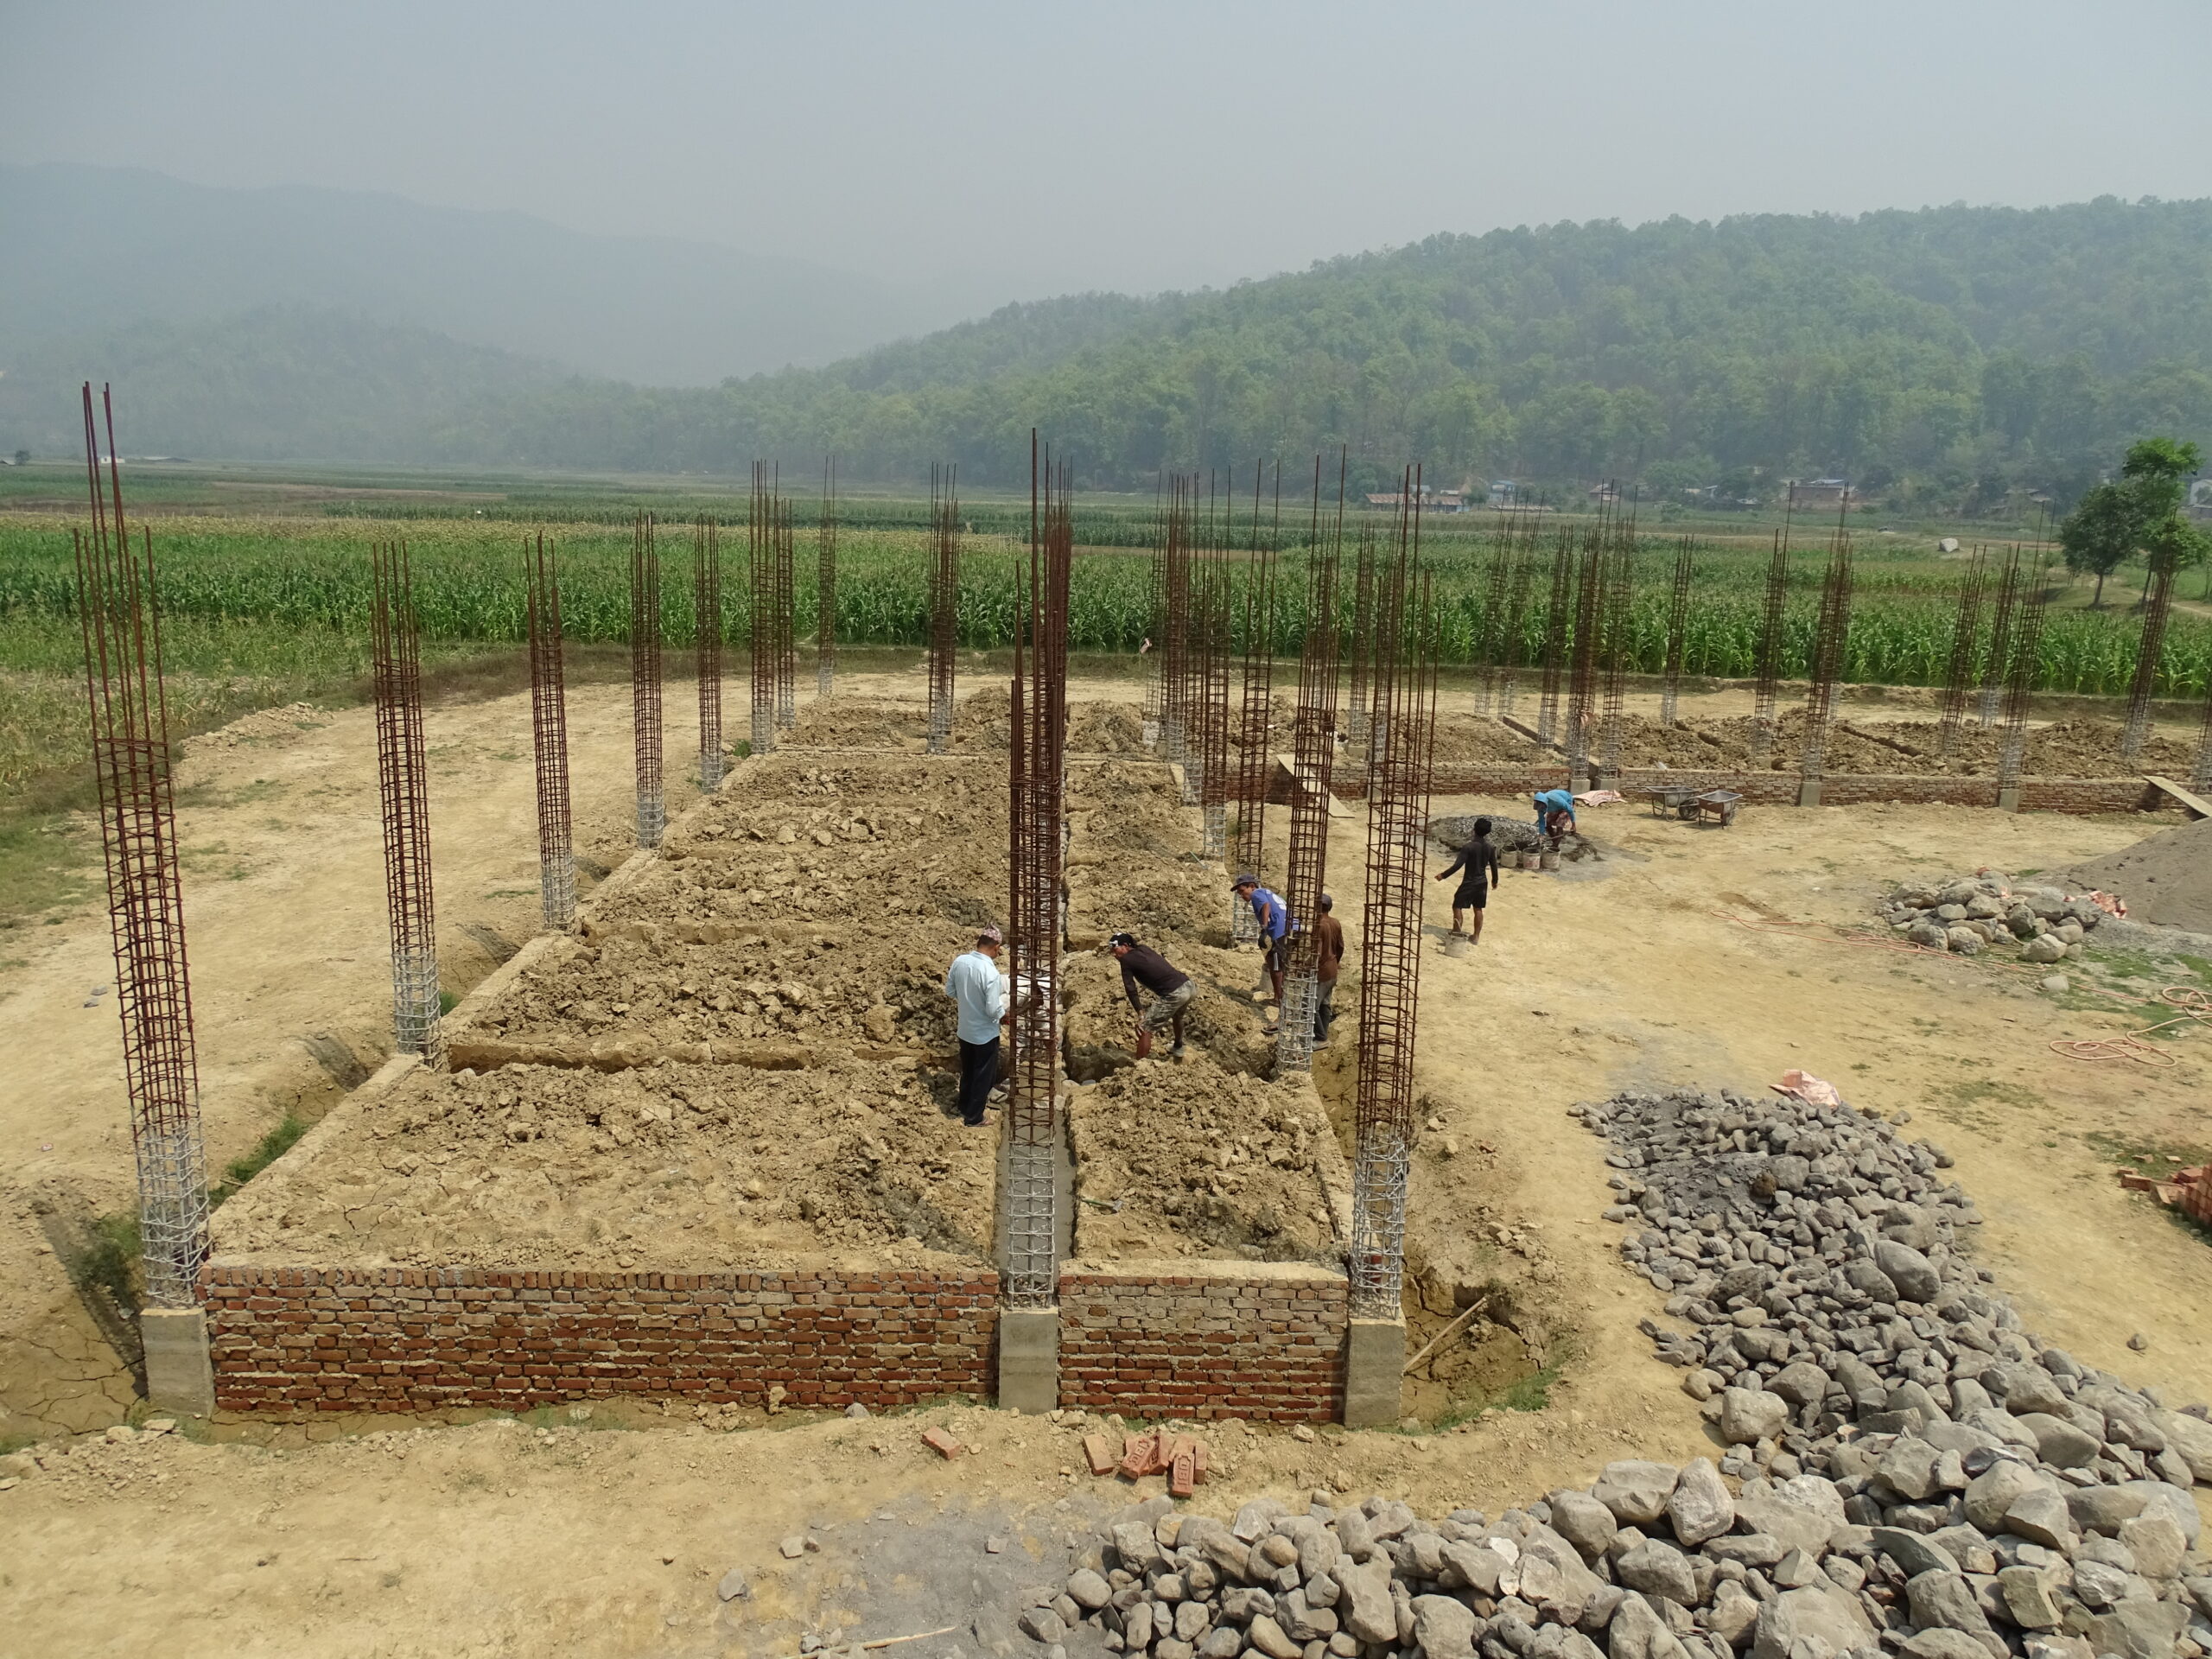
(403,778)
(1831,642)
(1036,779)
(118,614)
(787,591)
(1390,992)
(2157,604)
(1767,663)
(1175,637)
(1556,612)
(549,727)
(944,603)
(1958,672)
(1489,636)
(1997,661)
(1619,653)
(1213,636)
(825,587)
(1363,647)
(1249,844)
(1516,615)
(1314,744)
(1590,612)
(760,611)
(1678,633)
(707,635)
(645,681)
(2024,647)
(2200,773)
(1155,632)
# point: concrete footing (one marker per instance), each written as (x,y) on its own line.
(1029,1358)
(179,1375)
(2008,800)
(1375,1367)
(1808,791)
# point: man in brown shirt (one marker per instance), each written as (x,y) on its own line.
(1328,956)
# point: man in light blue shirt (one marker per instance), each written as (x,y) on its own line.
(1275,922)
(977,987)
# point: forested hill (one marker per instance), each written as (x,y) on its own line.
(1938,353)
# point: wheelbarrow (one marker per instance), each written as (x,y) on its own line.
(1671,800)
(1715,806)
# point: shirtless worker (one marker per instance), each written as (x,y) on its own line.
(1170,990)
(1477,858)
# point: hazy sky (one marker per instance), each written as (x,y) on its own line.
(1132,146)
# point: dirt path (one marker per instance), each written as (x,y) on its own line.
(503,1541)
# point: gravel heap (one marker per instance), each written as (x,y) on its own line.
(1975,911)
(1908,1472)
(1508,836)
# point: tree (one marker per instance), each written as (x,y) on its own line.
(2138,512)
(22,457)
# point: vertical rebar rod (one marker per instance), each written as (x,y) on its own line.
(403,777)
(944,603)
(1213,771)
(760,612)
(2157,604)
(1397,812)
(1767,662)
(1175,715)
(2199,773)
(549,727)
(1036,779)
(1831,647)
(706,634)
(1313,746)
(1155,632)
(1958,670)
(825,587)
(2023,648)
(1362,646)
(645,681)
(119,616)
(1678,633)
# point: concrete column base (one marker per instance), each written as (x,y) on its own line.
(179,1376)
(1374,1371)
(1808,791)
(1029,1358)
(1577,785)
(2008,800)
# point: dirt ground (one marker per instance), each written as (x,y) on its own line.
(579,1537)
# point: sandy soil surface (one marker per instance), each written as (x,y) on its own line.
(1617,972)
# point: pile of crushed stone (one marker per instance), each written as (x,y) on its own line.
(1909,1472)
(1973,913)
(2166,879)
(681,1167)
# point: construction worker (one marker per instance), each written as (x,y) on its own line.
(974,983)
(1328,956)
(1555,813)
(1274,928)
(1477,858)
(1170,990)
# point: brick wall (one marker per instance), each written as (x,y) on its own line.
(392,1339)
(2075,795)
(1264,1341)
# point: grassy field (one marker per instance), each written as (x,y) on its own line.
(265,594)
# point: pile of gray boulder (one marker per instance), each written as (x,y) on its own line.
(1906,1470)
(1976,912)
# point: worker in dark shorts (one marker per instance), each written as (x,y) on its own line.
(1275,925)
(1170,990)
(1477,859)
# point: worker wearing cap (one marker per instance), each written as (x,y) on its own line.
(975,984)
(1328,959)
(1170,990)
(1275,926)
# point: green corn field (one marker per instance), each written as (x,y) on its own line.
(250,583)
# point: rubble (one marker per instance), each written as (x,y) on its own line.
(1906,1470)
(1970,914)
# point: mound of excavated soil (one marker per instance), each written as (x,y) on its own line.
(1199,1159)
(2166,880)
(852,724)
(684,1167)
